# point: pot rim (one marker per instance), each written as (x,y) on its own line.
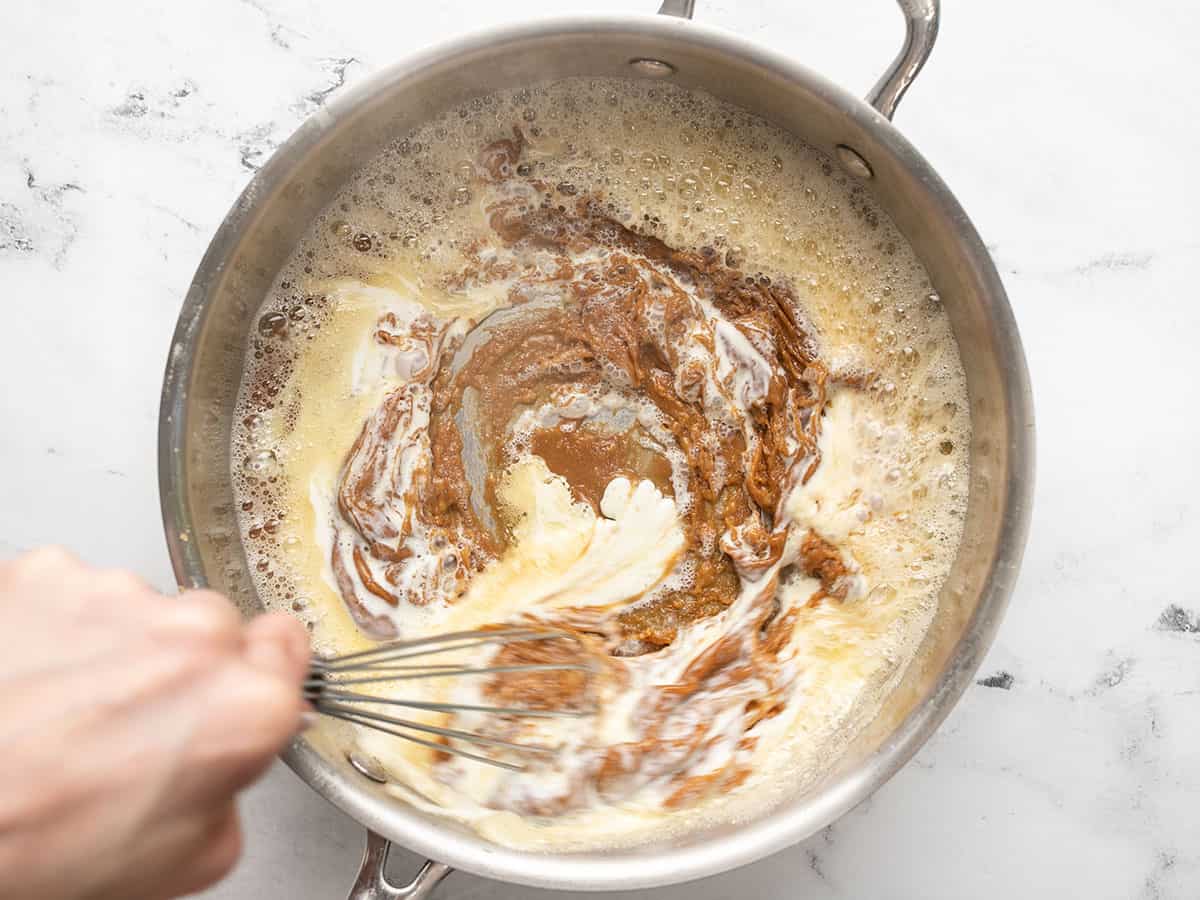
(780,827)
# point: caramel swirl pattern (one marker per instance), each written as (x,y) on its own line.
(613,356)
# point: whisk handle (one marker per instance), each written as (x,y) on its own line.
(372,882)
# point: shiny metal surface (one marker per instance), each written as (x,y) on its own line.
(652,68)
(852,162)
(206,356)
(372,882)
(681,8)
(367,767)
(920,31)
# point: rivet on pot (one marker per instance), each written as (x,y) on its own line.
(853,163)
(654,68)
(367,767)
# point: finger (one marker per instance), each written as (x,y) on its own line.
(44,565)
(206,616)
(51,558)
(262,714)
(211,859)
(277,644)
(252,704)
(121,582)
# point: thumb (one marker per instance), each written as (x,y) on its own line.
(277,644)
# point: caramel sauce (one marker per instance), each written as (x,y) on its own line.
(589,460)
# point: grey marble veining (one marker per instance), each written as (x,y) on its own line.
(1068,132)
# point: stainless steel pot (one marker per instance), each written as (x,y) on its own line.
(304,174)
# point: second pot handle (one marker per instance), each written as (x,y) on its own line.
(920,31)
(681,8)
(372,882)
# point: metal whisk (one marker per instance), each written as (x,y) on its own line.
(330,682)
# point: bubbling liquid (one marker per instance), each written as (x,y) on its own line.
(621,493)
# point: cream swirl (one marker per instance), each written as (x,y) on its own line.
(611,451)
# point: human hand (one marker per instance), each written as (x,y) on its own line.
(128,722)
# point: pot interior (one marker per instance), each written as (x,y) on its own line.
(262,229)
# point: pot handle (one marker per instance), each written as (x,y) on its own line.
(372,882)
(681,8)
(920,31)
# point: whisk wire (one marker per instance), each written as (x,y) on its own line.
(468,736)
(328,679)
(432,745)
(432,706)
(441,672)
(442,643)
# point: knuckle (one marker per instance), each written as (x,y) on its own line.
(275,707)
(278,698)
(51,553)
(120,581)
(197,631)
(214,603)
(52,557)
(211,616)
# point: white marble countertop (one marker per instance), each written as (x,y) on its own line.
(1067,130)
